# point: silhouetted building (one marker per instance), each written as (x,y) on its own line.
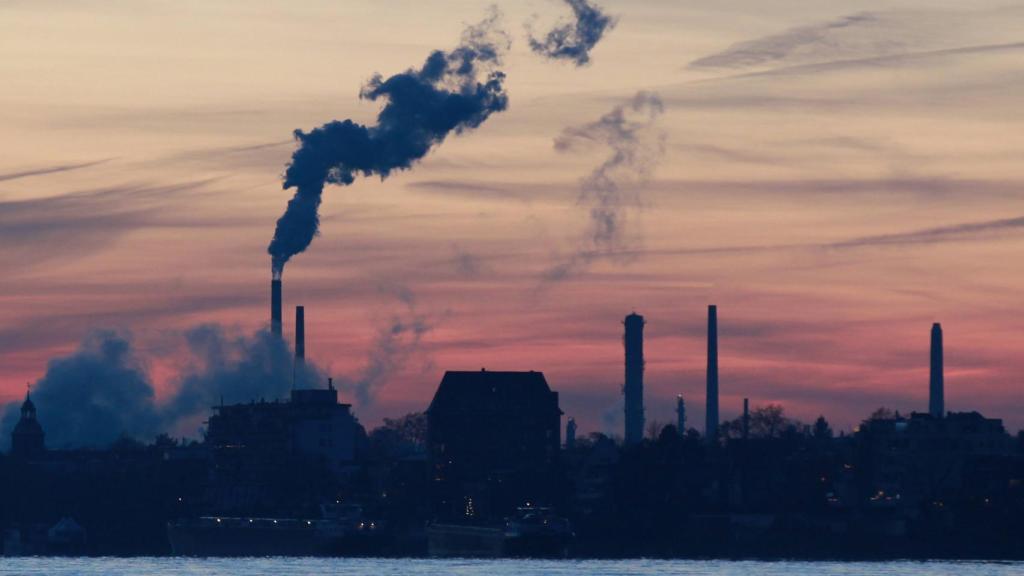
(493,443)
(633,341)
(711,416)
(680,415)
(27,436)
(936,392)
(925,460)
(275,306)
(313,424)
(570,434)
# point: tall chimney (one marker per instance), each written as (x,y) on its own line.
(275,307)
(680,415)
(936,392)
(300,333)
(633,340)
(711,416)
(746,418)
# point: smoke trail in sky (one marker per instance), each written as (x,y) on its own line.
(637,145)
(574,40)
(452,92)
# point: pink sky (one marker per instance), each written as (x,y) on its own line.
(835,177)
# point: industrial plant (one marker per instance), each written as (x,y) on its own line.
(483,470)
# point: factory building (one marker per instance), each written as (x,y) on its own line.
(311,423)
(493,443)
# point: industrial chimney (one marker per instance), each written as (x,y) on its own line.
(711,415)
(936,392)
(633,340)
(746,418)
(275,307)
(680,415)
(300,333)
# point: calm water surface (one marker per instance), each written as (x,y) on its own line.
(361,567)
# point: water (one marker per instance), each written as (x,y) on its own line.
(416,567)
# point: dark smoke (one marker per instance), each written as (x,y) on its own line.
(103,390)
(452,92)
(630,131)
(573,40)
(236,368)
(92,396)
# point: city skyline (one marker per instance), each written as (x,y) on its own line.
(834,193)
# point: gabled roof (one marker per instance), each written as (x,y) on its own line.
(487,391)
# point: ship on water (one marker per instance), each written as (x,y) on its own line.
(532,532)
(339,531)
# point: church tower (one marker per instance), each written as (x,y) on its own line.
(27,437)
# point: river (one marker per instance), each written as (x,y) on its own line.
(414,567)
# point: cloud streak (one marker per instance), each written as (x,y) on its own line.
(56,169)
(70,225)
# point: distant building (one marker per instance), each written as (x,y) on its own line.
(312,424)
(493,443)
(633,390)
(27,439)
(927,460)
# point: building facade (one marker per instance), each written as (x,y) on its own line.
(493,443)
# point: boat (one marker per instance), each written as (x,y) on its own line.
(537,533)
(338,531)
(532,532)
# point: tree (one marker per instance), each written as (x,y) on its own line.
(654,429)
(399,437)
(883,413)
(822,431)
(765,422)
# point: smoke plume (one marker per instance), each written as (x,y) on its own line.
(573,40)
(103,390)
(236,368)
(452,92)
(92,396)
(637,145)
(397,341)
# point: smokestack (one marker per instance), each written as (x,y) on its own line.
(936,391)
(300,333)
(711,416)
(680,415)
(633,340)
(275,307)
(746,418)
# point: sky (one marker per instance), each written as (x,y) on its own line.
(834,175)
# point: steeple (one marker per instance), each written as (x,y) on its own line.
(28,408)
(27,437)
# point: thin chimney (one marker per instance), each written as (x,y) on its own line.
(936,388)
(300,333)
(746,418)
(275,307)
(711,416)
